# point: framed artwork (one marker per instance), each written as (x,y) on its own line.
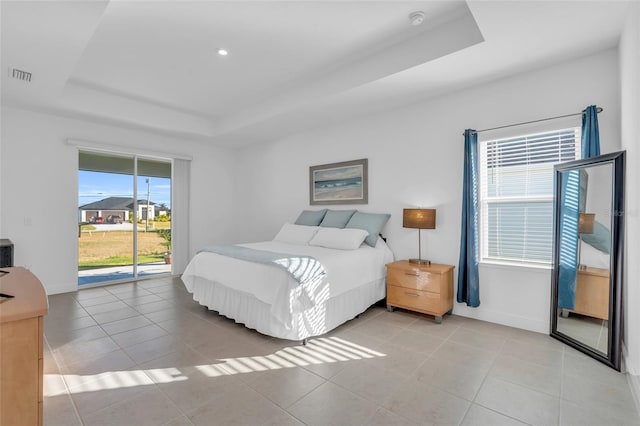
(339,183)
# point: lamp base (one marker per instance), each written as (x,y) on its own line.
(420,261)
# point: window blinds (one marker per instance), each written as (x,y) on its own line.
(516,193)
(123,164)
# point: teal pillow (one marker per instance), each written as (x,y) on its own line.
(311,217)
(371,222)
(336,218)
(600,239)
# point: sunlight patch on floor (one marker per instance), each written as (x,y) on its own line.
(318,351)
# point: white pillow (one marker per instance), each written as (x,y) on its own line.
(296,234)
(337,238)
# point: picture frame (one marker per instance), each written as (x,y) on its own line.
(339,183)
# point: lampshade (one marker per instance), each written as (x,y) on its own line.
(586,222)
(419,218)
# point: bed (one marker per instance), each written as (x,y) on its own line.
(270,300)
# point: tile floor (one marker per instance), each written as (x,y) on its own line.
(593,332)
(146,354)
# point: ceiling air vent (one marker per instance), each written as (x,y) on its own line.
(19,74)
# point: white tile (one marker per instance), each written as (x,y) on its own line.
(59,411)
(190,393)
(574,414)
(90,349)
(459,379)
(366,380)
(283,386)
(465,355)
(238,406)
(425,404)
(149,408)
(138,335)
(379,369)
(378,329)
(534,376)
(546,354)
(523,404)
(579,365)
(152,349)
(384,417)
(491,342)
(125,324)
(416,341)
(104,390)
(481,416)
(83,370)
(443,330)
(329,404)
(605,397)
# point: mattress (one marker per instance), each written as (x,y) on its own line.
(270,301)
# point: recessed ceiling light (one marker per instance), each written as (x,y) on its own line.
(223,52)
(416,18)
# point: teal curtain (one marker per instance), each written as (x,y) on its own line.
(570,204)
(468,280)
(590,132)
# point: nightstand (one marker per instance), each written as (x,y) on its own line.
(422,288)
(592,293)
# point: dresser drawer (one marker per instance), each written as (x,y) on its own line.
(414,279)
(417,300)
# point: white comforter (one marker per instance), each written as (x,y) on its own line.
(346,270)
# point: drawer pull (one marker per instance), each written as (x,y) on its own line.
(412,275)
(412,294)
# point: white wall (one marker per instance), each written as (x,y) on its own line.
(415,159)
(39,189)
(630,133)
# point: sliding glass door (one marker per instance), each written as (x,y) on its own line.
(124,217)
(154,216)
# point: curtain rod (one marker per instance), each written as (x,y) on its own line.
(534,121)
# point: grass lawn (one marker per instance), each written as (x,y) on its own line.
(100,249)
(162,225)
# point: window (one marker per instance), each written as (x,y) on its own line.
(516,194)
(115,193)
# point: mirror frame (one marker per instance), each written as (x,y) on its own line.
(613,357)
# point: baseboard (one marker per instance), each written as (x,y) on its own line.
(634,384)
(59,289)
(632,377)
(502,318)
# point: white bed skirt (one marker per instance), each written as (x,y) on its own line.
(246,309)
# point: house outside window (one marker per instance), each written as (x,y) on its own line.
(516,195)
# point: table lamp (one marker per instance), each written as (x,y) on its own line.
(420,219)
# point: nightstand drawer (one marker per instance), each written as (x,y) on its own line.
(413,299)
(414,279)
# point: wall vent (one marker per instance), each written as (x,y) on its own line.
(19,74)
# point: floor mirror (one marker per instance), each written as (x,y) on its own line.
(586,302)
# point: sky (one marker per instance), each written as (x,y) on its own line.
(95,186)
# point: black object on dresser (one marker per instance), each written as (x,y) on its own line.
(6,253)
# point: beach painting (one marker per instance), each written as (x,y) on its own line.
(339,183)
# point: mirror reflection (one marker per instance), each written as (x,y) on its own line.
(585,255)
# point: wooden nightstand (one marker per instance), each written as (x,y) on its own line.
(421,288)
(592,293)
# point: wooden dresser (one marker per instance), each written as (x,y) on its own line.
(421,288)
(21,331)
(592,293)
